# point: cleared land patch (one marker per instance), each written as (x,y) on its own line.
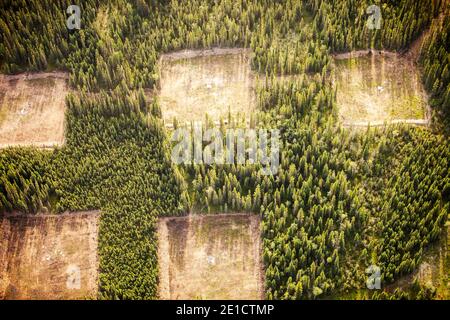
(32,109)
(210,257)
(379,88)
(213,82)
(49,256)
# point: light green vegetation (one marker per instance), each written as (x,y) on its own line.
(432,275)
(378,88)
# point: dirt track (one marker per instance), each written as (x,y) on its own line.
(49,257)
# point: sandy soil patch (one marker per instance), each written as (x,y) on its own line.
(49,256)
(32,107)
(213,82)
(210,257)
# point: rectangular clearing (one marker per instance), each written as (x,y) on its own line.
(210,257)
(32,109)
(378,88)
(214,82)
(49,256)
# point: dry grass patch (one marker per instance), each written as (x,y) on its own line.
(49,256)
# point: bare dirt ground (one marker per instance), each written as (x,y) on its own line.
(194,83)
(210,257)
(32,107)
(49,256)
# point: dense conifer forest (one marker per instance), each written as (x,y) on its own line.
(342,199)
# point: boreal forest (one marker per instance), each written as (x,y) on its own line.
(345,197)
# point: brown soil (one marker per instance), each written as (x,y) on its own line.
(49,256)
(210,257)
(32,109)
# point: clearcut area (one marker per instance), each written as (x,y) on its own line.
(379,88)
(32,108)
(210,257)
(215,82)
(49,256)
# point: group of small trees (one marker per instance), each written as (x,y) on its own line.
(436,64)
(343,24)
(24,183)
(415,196)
